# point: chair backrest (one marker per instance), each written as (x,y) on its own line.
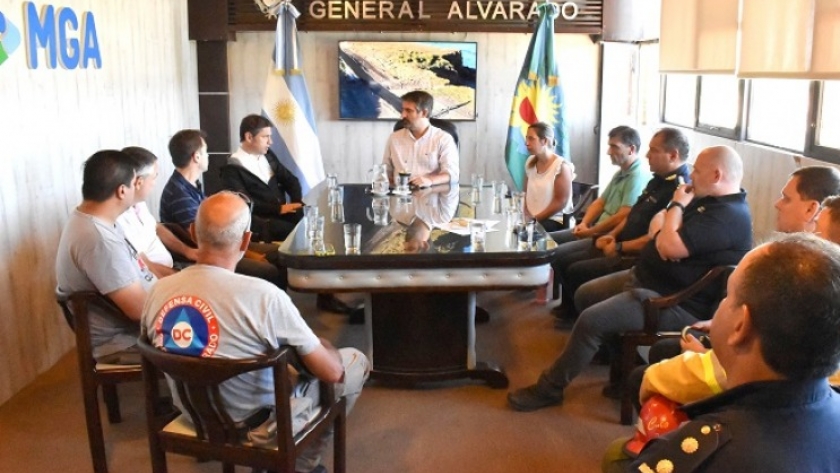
(218,436)
(197,381)
(583,195)
(444,125)
(75,308)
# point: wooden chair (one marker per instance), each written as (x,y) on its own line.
(215,435)
(650,334)
(93,375)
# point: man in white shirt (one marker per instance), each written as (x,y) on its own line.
(152,241)
(428,153)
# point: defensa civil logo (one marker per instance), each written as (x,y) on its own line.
(9,38)
(187,325)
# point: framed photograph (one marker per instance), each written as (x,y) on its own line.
(373,75)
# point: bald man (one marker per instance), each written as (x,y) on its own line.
(706,224)
(251,317)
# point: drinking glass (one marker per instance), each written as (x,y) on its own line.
(352,238)
(478,235)
(332,180)
(315,229)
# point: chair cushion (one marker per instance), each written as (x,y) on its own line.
(112,367)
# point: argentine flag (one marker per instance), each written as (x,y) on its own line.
(286,104)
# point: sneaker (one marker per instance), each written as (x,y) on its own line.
(531,399)
(357,316)
(330,303)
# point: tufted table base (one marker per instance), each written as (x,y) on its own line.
(420,323)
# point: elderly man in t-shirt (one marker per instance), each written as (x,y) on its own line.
(245,317)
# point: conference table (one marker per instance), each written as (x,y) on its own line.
(420,282)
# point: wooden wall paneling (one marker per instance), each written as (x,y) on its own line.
(144,90)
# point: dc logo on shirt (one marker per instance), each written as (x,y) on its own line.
(187,325)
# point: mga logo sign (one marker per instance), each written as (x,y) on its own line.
(9,38)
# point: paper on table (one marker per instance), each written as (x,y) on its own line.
(461,226)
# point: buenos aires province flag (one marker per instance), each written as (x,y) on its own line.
(538,96)
(286,104)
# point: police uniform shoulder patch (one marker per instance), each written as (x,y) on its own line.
(683,450)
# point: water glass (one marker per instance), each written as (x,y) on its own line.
(478,235)
(310,212)
(337,213)
(352,238)
(315,229)
(517,200)
(526,236)
(477,181)
(332,180)
(336,195)
(497,205)
(380,207)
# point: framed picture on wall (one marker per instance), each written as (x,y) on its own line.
(373,75)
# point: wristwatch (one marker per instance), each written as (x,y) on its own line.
(673,204)
(618,247)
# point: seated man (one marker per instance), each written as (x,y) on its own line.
(256,171)
(428,153)
(250,316)
(182,195)
(707,224)
(583,260)
(795,212)
(777,337)
(150,239)
(93,255)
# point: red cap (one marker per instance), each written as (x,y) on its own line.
(659,415)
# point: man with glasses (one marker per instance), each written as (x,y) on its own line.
(94,255)
(150,239)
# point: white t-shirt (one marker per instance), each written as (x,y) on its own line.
(213,312)
(540,191)
(435,151)
(139,227)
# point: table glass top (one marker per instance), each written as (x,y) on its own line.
(431,226)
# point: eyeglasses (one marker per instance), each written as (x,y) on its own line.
(247,199)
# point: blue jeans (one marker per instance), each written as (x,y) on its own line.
(601,289)
(620,313)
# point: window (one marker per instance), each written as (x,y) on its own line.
(680,99)
(778,112)
(719,108)
(797,115)
(828,120)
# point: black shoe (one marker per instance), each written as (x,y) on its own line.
(329,303)
(612,391)
(357,316)
(531,399)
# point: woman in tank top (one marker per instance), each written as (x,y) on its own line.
(548,179)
